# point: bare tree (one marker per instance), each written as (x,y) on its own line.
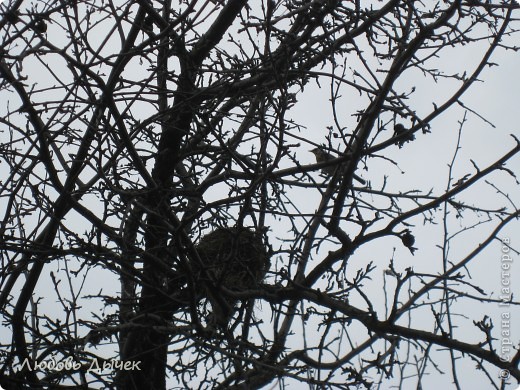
(164,224)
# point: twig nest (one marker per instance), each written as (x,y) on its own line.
(235,258)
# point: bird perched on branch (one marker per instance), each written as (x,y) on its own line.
(322,156)
(399,130)
(408,240)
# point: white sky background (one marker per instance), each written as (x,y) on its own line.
(422,164)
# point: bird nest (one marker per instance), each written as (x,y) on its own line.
(235,258)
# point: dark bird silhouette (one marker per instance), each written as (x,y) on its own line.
(408,240)
(322,157)
(399,129)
